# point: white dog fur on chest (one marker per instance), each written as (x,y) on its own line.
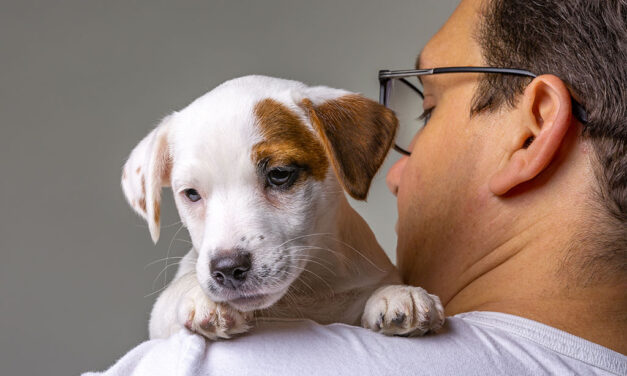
(258,167)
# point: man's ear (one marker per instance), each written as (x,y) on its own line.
(145,172)
(356,132)
(545,116)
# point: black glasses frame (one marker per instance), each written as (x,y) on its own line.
(386,77)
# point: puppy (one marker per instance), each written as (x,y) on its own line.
(258,168)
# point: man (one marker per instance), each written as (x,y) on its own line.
(508,204)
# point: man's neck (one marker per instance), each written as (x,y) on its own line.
(530,280)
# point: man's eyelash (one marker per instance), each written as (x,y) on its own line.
(426,115)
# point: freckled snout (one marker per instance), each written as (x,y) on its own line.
(229,269)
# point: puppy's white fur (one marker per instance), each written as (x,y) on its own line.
(313,255)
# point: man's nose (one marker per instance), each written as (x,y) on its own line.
(393,177)
(229,268)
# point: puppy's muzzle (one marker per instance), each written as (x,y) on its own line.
(229,269)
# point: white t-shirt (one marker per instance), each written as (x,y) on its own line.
(475,343)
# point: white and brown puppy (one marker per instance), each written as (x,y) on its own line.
(258,167)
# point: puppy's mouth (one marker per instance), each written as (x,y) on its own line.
(251,302)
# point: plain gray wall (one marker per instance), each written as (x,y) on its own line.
(81,82)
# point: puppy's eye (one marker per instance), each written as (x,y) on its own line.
(281,177)
(192,194)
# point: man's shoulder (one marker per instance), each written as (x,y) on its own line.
(471,343)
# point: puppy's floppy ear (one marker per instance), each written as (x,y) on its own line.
(145,172)
(356,132)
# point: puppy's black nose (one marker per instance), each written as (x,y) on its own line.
(230,269)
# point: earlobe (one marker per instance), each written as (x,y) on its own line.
(544,117)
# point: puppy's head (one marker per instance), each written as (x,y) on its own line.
(256,165)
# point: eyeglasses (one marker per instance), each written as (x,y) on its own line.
(405,98)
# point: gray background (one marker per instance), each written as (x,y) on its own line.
(81,82)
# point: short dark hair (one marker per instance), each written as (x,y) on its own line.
(584,43)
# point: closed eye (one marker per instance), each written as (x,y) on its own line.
(426,115)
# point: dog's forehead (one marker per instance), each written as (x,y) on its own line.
(244,121)
(224,118)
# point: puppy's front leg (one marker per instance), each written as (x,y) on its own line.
(403,310)
(184,304)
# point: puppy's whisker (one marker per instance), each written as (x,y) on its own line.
(328,235)
(162,271)
(317,276)
(358,252)
(315,262)
(297,250)
(161,259)
(298,290)
(346,260)
(165,276)
(171,224)
(304,236)
(143,225)
(155,292)
(287,306)
(294,304)
(301,280)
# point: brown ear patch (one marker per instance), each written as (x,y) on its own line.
(142,199)
(142,204)
(157,209)
(287,140)
(357,133)
(163,162)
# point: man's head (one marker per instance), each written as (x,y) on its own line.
(502,163)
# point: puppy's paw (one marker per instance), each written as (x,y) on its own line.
(403,310)
(213,320)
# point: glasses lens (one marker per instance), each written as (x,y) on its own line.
(406,103)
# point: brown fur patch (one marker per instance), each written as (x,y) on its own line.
(143,183)
(287,140)
(138,170)
(157,208)
(357,133)
(163,164)
(208,326)
(142,204)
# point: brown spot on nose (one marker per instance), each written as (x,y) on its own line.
(287,140)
